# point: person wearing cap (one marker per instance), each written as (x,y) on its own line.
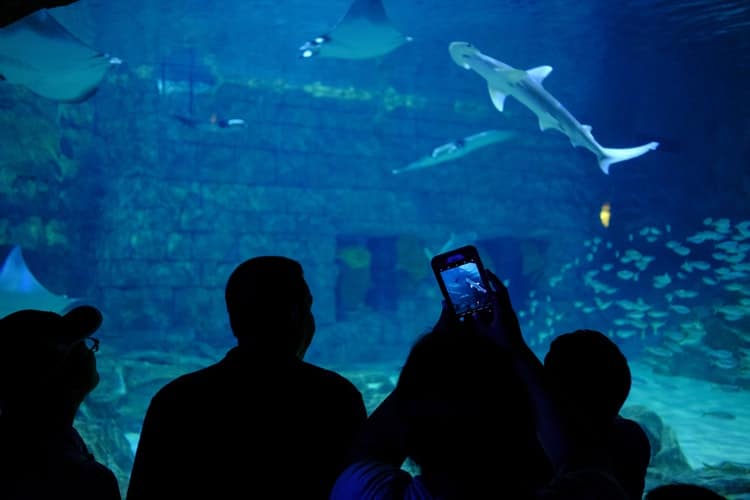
(47,368)
(261,420)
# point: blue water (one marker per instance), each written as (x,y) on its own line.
(116,201)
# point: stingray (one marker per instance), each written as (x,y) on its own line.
(456,149)
(19,289)
(364,32)
(38,53)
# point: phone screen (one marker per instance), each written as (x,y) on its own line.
(466,289)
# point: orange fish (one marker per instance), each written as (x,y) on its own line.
(605,214)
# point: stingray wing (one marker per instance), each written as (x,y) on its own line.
(19,289)
(40,54)
(364,32)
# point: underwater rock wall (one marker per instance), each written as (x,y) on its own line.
(309,173)
(46,198)
(156,211)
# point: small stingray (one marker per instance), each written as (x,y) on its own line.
(364,32)
(19,289)
(456,149)
(40,54)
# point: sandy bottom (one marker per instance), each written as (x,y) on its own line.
(712,422)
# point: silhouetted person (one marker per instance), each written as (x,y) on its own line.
(576,475)
(590,379)
(47,368)
(260,423)
(463,412)
(681,491)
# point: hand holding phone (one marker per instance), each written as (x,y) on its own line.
(503,326)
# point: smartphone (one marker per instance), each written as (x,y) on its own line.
(462,280)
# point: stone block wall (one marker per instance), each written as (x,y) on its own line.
(310,177)
(149,216)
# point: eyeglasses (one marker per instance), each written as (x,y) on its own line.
(91,343)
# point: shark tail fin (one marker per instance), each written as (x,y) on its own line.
(614,155)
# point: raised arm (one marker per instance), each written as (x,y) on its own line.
(506,332)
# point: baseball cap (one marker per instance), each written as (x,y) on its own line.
(34,342)
(32,325)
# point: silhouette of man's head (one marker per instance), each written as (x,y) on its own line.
(45,362)
(269,305)
(459,397)
(589,375)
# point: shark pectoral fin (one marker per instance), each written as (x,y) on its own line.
(498,98)
(587,128)
(539,73)
(546,122)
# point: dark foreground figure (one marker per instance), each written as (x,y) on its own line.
(589,379)
(47,368)
(13,10)
(471,408)
(260,423)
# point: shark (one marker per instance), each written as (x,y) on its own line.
(364,32)
(526,86)
(38,53)
(458,148)
(19,289)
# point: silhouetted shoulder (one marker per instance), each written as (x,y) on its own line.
(631,454)
(335,380)
(283,409)
(630,434)
(239,370)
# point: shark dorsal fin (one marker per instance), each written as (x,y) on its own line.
(498,98)
(587,128)
(539,73)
